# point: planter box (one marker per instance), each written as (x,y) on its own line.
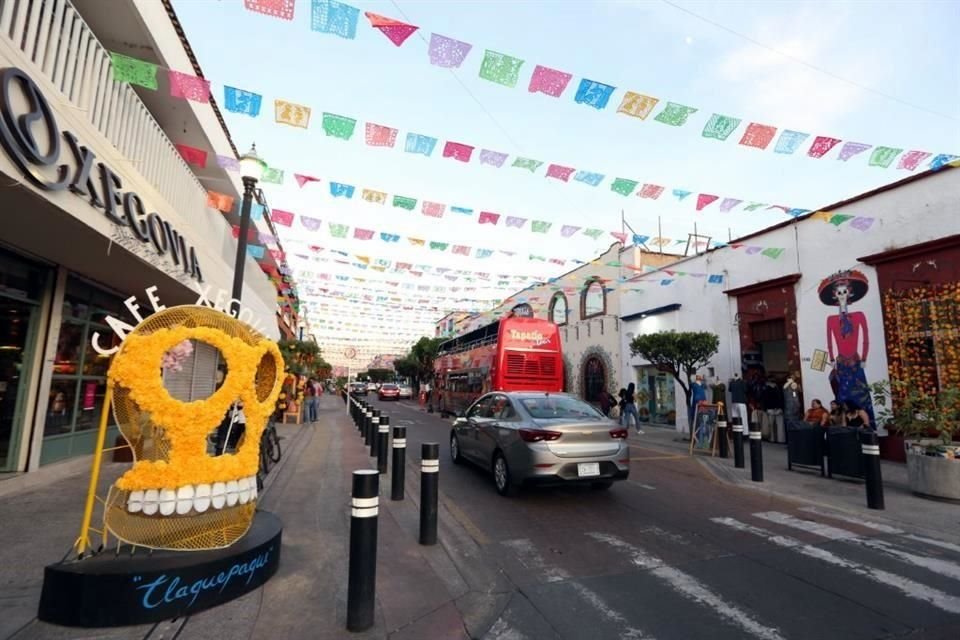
(934,476)
(892,447)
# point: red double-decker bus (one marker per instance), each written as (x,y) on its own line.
(512,354)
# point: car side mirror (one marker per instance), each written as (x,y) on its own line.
(460,420)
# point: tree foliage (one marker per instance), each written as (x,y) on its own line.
(679,354)
(418,363)
(302,358)
(406,367)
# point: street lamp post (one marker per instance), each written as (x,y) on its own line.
(251,169)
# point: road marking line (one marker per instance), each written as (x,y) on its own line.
(501,630)
(528,553)
(646,486)
(933,541)
(935,565)
(822,530)
(882,528)
(691,588)
(907,587)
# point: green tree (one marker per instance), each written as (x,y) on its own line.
(423,353)
(679,354)
(302,358)
(418,363)
(406,368)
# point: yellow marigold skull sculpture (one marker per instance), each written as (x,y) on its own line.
(176,495)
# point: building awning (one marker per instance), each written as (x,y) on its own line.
(911,251)
(766,284)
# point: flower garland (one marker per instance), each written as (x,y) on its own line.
(186,424)
(923,335)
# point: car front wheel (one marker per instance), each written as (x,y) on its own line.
(501,475)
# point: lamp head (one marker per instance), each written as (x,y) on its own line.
(251,166)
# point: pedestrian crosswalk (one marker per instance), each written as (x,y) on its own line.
(806,573)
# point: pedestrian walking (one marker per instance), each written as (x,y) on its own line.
(312,401)
(630,409)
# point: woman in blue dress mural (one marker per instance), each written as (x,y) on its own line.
(848,339)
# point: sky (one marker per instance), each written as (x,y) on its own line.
(871,72)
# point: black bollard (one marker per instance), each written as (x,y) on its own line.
(365,427)
(383,444)
(873,479)
(362,577)
(429,491)
(756,456)
(738,443)
(722,434)
(399,462)
(374,433)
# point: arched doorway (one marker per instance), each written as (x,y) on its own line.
(594,379)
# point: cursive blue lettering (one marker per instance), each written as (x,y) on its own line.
(147,602)
(174,590)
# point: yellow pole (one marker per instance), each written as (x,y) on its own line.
(84,540)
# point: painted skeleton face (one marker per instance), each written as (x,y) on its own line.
(841,292)
(178,494)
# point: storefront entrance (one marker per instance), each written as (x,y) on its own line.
(656,396)
(594,379)
(21,289)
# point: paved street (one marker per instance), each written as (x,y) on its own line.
(673,553)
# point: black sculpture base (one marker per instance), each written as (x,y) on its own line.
(112,591)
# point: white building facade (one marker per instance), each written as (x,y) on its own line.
(783,317)
(98,207)
(586,304)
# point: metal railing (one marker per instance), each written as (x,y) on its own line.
(53,36)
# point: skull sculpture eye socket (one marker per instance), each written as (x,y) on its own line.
(176,495)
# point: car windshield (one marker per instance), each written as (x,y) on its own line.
(559,407)
(389,387)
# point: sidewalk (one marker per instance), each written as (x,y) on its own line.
(903,508)
(441,591)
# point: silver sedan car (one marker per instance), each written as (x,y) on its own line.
(526,438)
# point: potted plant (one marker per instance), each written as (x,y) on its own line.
(930,424)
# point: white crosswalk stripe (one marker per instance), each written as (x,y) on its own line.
(530,556)
(691,588)
(906,586)
(935,565)
(883,528)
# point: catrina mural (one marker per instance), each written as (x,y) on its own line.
(848,338)
(177,495)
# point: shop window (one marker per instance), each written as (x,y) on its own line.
(191,371)
(593,299)
(558,309)
(79,384)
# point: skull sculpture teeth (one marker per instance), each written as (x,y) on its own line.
(177,495)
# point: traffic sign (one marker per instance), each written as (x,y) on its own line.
(350,353)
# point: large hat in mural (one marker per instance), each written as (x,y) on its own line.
(857,285)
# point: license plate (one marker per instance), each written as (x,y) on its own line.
(588,469)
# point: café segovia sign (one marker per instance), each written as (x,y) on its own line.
(122,208)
